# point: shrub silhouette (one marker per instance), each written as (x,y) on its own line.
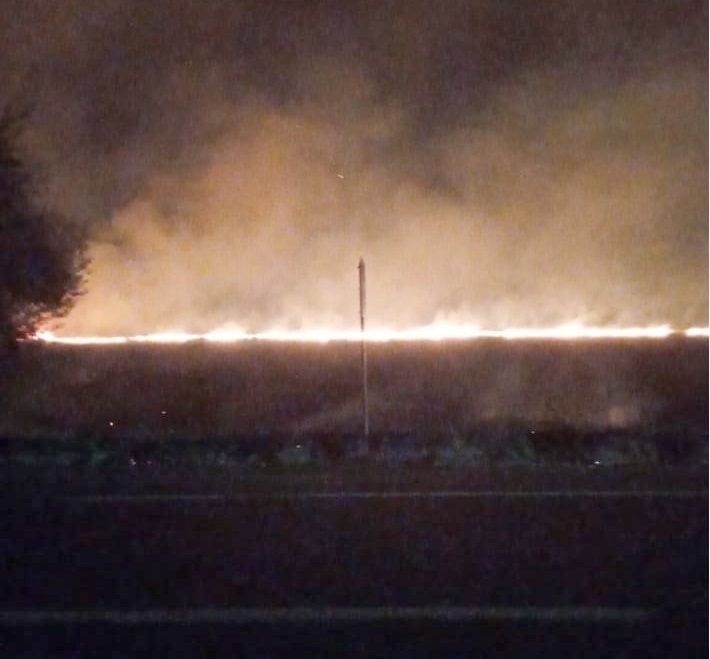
(42,254)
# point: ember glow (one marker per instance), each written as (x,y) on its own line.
(434,332)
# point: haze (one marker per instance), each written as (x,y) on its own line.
(497,163)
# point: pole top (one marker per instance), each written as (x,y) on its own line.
(363,294)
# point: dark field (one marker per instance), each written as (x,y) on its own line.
(477,391)
(514,499)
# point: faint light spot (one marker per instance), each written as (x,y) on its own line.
(340,176)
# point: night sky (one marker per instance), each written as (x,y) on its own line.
(501,163)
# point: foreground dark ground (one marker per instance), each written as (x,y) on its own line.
(447,389)
(538,499)
(488,561)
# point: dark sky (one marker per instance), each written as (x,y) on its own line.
(502,163)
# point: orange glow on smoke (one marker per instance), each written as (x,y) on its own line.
(434,332)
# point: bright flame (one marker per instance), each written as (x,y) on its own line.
(434,332)
(697,331)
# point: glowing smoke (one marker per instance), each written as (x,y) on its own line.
(548,199)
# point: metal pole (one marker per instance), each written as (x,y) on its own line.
(363,349)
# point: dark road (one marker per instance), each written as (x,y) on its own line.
(562,570)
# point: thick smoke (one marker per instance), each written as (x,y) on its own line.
(495,167)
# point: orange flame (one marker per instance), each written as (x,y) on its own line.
(434,332)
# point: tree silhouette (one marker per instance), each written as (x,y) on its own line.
(42,254)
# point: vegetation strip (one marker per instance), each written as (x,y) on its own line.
(453,494)
(326,614)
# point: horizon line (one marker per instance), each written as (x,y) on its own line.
(428,333)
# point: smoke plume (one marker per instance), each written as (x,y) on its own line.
(518,165)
